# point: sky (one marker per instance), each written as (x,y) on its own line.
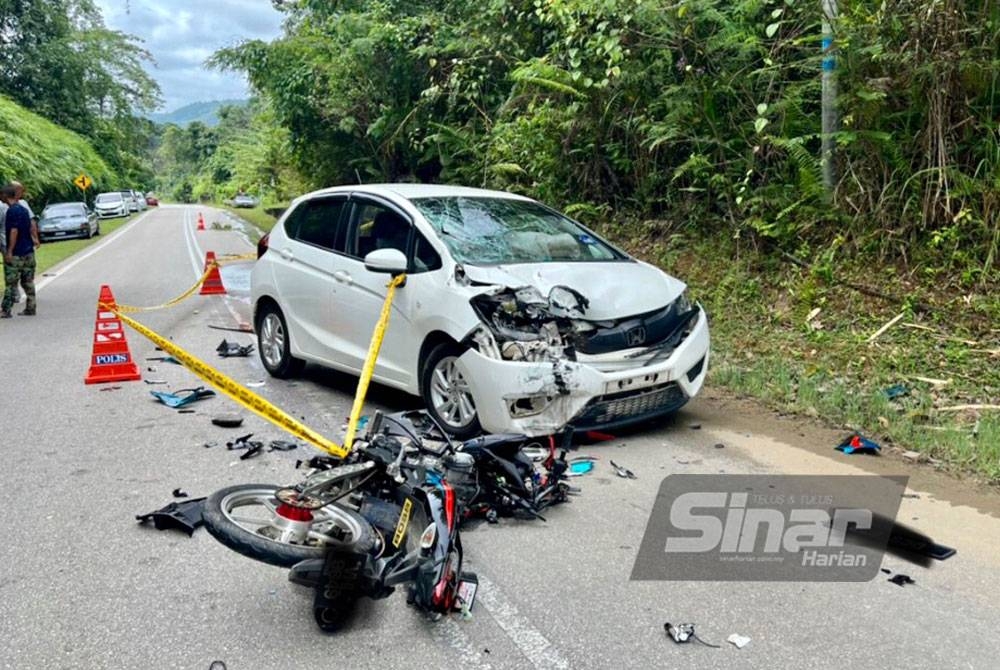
(181,34)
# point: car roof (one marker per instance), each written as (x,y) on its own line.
(412,191)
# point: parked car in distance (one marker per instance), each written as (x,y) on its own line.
(514,318)
(68,219)
(151,200)
(108,205)
(243,200)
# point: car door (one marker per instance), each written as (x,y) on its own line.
(374,224)
(304,278)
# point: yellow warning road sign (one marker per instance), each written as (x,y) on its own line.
(83,182)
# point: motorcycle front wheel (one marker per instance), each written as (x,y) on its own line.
(242,518)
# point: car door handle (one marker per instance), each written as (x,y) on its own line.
(342,276)
(287,254)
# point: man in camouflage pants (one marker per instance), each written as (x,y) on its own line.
(19,258)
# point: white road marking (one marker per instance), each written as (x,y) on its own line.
(62,269)
(449,632)
(535,646)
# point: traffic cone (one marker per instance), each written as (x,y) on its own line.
(111,360)
(213,282)
(201,222)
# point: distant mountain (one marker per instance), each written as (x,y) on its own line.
(206,112)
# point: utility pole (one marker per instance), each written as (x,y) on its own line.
(829,102)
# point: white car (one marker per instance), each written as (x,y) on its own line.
(108,205)
(513,317)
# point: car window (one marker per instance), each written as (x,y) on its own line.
(377,227)
(316,222)
(425,258)
(494,231)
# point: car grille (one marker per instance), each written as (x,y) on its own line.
(630,406)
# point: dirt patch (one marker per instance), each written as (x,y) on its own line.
(717,407)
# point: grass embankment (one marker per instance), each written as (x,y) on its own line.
(802,341)
(55,251)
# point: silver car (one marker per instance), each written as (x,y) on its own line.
(68,219)
(108,205)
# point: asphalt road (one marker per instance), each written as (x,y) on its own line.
(83,586)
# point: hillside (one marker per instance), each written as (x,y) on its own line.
(44,156)
(205,112)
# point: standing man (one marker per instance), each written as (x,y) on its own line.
(19,259)
(19,190)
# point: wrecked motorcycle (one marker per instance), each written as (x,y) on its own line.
(387,515)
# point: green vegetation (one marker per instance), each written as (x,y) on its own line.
(261,218)
(59,60)
(687,130)
(44,156)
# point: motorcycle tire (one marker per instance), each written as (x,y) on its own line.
(335,598)
(259,547)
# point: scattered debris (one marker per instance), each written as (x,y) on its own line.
(684,632)
(176,400)
(111,388)
(184,515)
(241,328)
(914,456)
(228,420)
(720,445)
(241,442)
(155,381)
(694,426)
(900,579)
(896,391)
(812,315)
(597,436)
(856,444)
(165,359)
(739,640)
(255,385)
(186,411)
(580,465)
(217,665)
(896,319)
(209,445)
(282,445)
(178,493)
(151,368)
(228,349)
(912,495)
(253,450)
(937,383)
(623,472)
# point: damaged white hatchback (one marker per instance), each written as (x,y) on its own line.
(513,317)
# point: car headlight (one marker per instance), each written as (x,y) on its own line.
(683,302)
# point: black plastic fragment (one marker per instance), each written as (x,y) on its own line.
(182,515)
(899,579)
(178,493)
(227,349)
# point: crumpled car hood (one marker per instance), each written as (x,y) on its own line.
(615,289)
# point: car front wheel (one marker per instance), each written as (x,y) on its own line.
(447,394)
(274,345)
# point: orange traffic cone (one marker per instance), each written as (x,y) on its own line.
(213,282)
(112,360)
(201,222)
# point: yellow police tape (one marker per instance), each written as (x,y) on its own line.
(131,309)
(221,260)
(234,389)
(259,405)
(369,367)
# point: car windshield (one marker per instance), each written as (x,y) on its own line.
(68,209)
(109,197)
(497,231)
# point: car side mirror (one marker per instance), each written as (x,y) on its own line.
(388,261)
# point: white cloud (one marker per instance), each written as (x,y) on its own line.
(181,34)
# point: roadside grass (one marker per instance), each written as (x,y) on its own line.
(826,368)
(56,251)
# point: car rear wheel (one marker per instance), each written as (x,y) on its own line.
(447,394)
(274,345)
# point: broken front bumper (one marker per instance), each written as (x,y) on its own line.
(540,398)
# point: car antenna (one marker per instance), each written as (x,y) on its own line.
(358,175)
